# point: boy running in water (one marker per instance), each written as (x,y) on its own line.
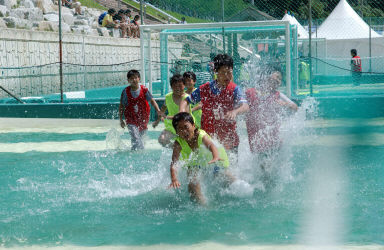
(189,79)
(264,116)
(222,100)
(191,146)
(135,108)
(172,103)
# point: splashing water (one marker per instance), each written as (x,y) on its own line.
(113,140)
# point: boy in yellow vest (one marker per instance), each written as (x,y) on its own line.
(196,150)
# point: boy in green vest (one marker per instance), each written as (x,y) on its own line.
(172,103)
(196,150)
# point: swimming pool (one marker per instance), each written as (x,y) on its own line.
(74,183)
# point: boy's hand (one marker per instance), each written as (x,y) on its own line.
(175,184)
(161,114)
(215,160)
(230,115)
(122,124)
(155,123)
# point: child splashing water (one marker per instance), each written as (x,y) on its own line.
(264,118)
(190,147)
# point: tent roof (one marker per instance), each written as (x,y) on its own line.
(344,23)
(302,33)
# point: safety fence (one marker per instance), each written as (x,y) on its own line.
(319,61)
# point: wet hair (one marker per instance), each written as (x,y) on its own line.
(182,116)
(222,60)
(111,11)
(175,79)
(189,75)
(133,72)
(354,52)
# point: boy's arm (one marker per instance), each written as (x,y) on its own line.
(197,107)
(240,99)
(194,97)
(215,152)
(231,115)
(286,102)
(158,110)
(184,106)
(175,158)
(121,112)
(162,110)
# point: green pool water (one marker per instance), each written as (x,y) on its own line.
(68,183)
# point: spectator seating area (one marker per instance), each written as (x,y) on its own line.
(121,23)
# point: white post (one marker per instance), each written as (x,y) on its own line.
(150,64)
(288,59)
(143,80)
(84,63)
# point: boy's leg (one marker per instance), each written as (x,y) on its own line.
(123,28)
(356,78)
(136,138)
(194,187)
(134,31)
(129,30)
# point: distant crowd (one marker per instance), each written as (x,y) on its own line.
(121,20)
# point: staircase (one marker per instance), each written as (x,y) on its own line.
(117,4)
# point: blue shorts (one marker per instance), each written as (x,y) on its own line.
(216,169)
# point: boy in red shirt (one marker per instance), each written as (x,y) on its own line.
(135,108)
(356,67)
(222,100)
(264,116)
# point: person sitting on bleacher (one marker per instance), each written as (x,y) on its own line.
(73,4)
(108,20)
(119,18)
(128,22)
(135,27)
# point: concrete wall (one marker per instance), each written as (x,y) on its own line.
(84,57)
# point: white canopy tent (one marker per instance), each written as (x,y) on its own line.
(344,23)
(301,32)
(344,30)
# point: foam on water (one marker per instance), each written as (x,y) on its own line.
(64,126)
(68,146)
(366,139)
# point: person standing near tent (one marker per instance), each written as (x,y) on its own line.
(356,67)
(303,72)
